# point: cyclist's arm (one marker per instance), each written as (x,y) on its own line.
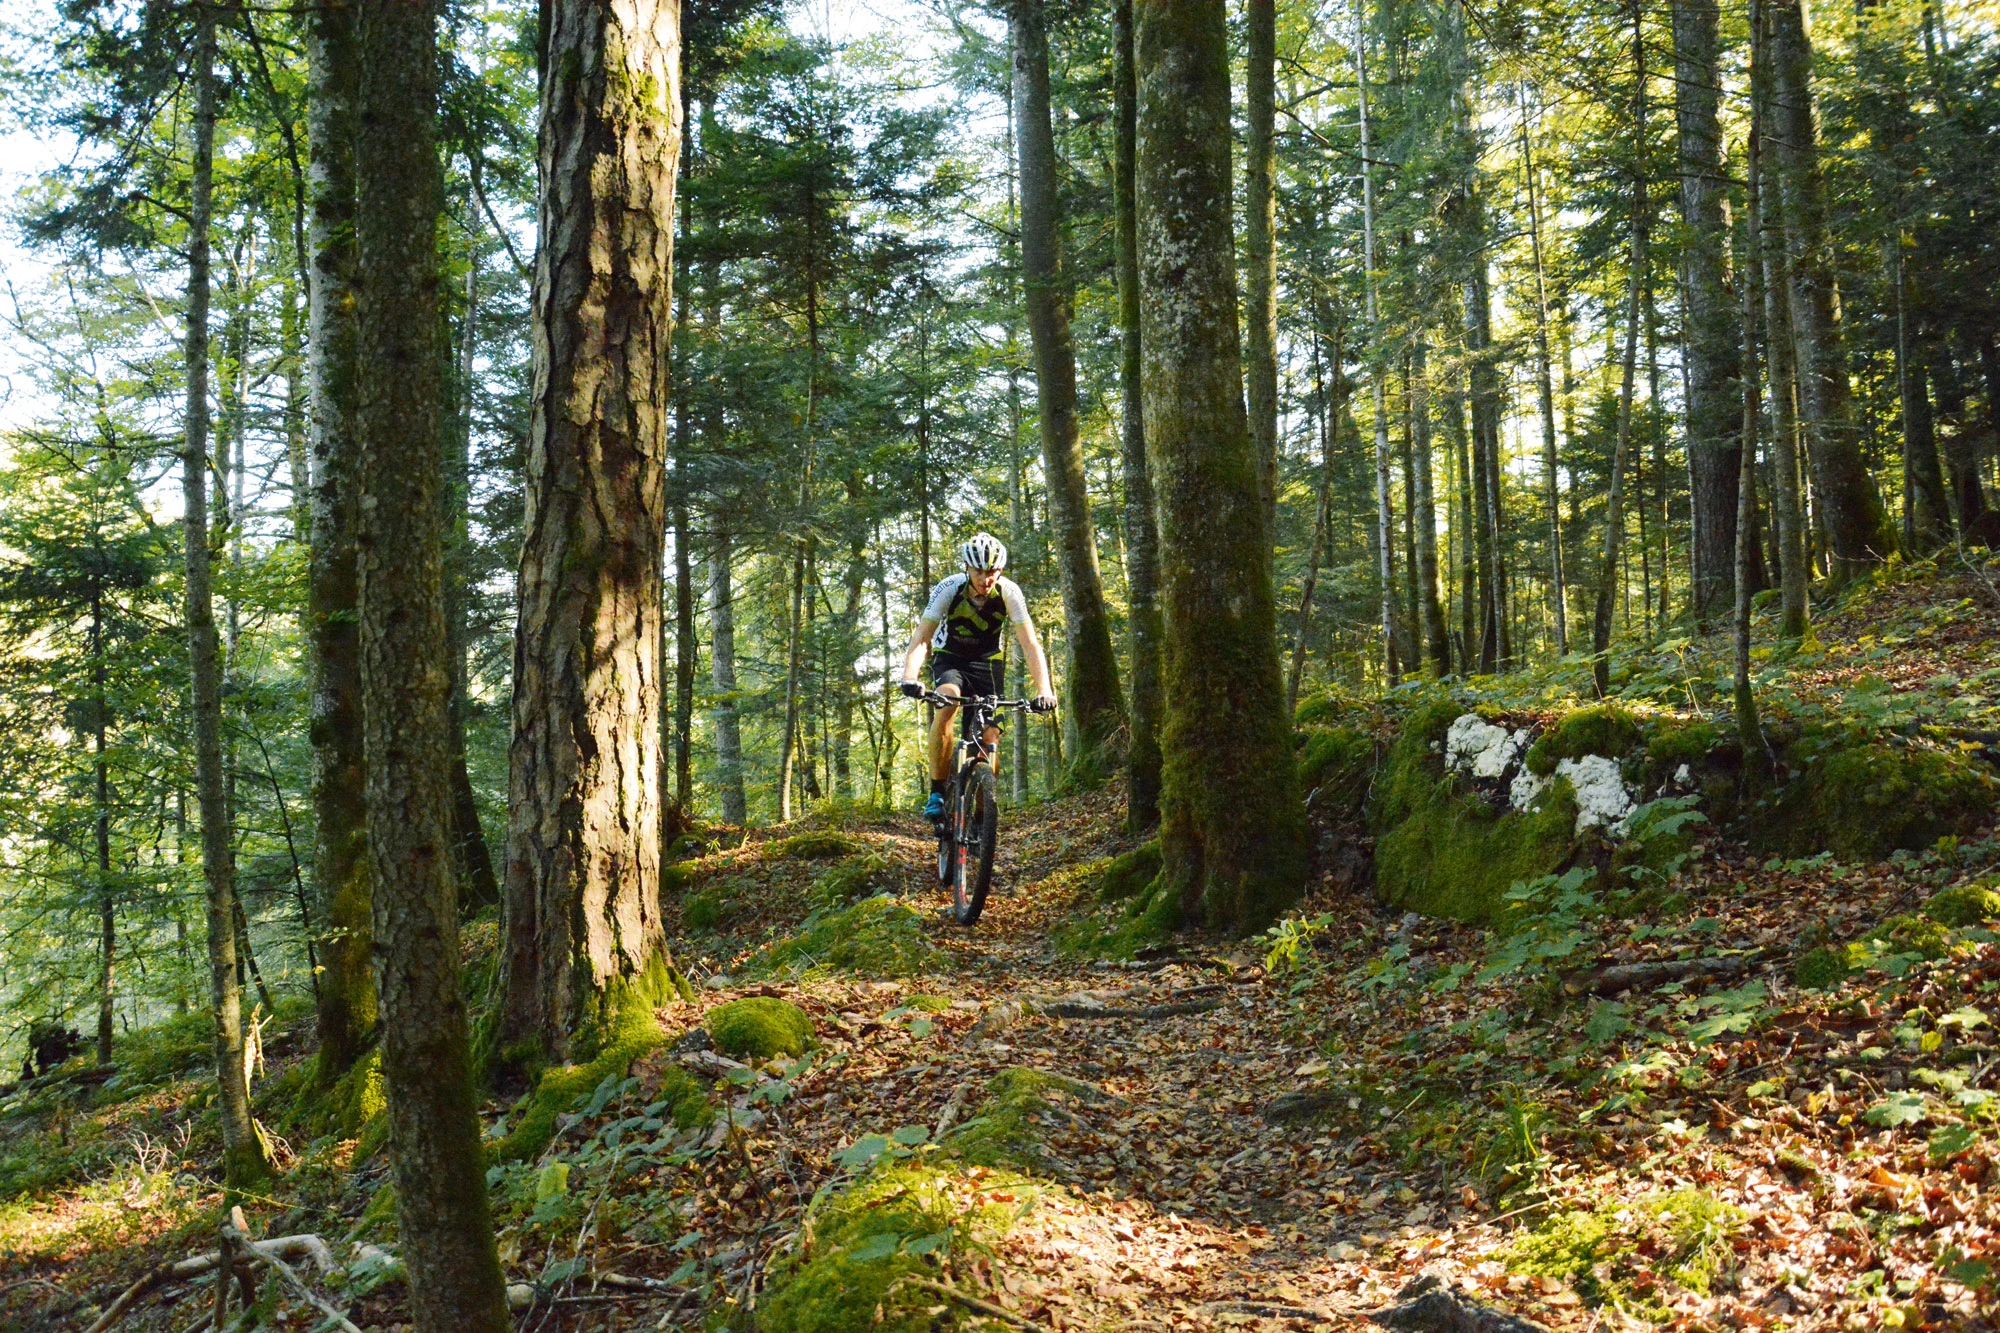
(920,644)
(1037,661)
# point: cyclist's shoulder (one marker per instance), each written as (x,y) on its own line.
(945,587)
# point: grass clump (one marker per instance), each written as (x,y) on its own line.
(1611,730)
(817,846)
(1623,1254)
(1964,905)
(173,1049)
(874,937)
(1005,1133)
(860,1243)
(926,1003)
(760,1027)
(856,877)
(1327,706)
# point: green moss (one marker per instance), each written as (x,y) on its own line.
(925,1003)
(1914,934)
(897,1222)
(1129,873)
(1413,767)
(856,877)
(817,846)
(1451,856)
(1335,766)
(1007,1130)
(760,1027)
(1862,802)
(1676,741)
(1609,1253)
(626,1027)
(1325,707)
(687,1101)
(358,1097)
(1823,968)
(1965,905)
(874,937)
(1611,730)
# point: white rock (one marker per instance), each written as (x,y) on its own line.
(1682,777)
(1601,798)
(1477,746)
(1526,789)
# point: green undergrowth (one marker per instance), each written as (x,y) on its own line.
(1128,873)
(1964,905)
(1893,946)
(876,937)
(1007,1130)
(864,1247)
(819,845)
(628,1027)
(1863,800)
(858,876)
(1122,927)
(759,1027)
(1629,1255)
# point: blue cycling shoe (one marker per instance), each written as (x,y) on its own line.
(934,808)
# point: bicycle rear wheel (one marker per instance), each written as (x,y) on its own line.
(978,825)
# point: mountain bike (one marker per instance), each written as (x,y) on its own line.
(971,824)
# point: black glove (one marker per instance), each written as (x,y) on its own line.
(913,689)
(1041,705)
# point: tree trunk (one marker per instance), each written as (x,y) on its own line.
(1096,709)
(1496,628)
(244,1160)
(478,886)
(1437,639)
(583,858)
(1961,459)
(1329,416)
(1471,586)
(340,848)
(1748,728)
(1260,252)
(1614,511)
(1710,338)
(1859,535)
(1545,386)
(1142,755)
(1926,519)
(1231,827)
(1378,373)
(442,1215)
(722,677)
(1794,568)
(107,903)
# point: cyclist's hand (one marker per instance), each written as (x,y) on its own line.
(913,689)
(1043,703)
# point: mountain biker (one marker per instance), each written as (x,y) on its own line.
(961,628)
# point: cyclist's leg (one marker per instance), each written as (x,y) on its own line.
(948,679)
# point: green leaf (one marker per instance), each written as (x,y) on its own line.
(862,1151)
(875,1247)
(1607,1021)
(1952,1140)
(1967,1018)
(909,1136)
(937,1240)
(605,1092)
(921,1027)
(553,1182)
(1897,1110)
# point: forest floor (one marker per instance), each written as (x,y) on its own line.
(1325,1114)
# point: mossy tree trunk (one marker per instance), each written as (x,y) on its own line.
(1232,828)
(444,1225)
(340,861)
(1748,728)
(243,1151)
(1858,531)
(583,857)
(1142,537)
(1260,251)
(1713,398)
(1096,707)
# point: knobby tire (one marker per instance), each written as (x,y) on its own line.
(978,826)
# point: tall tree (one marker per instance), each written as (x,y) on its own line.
(1378,366)
(245,1159)
(583,857)
(1232,830)
(1260,251)
(1859,534)
(443,1219)
(1713,400)
(340,851)
(1142,537)
(1787,499)
(1096,708)
(1545,392)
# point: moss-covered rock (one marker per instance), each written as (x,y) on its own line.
(1863,801)
(1444,852)
(702,910)
(859,1244)
(1335,765)
(1675,741)
(1326,707)
(1965,905)
(855,877)
(1129,873)
(876,937)
(1609,729)
(817,846)
(760,1027)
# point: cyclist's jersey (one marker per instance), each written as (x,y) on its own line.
(969,626)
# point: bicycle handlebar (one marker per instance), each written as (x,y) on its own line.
(989,700)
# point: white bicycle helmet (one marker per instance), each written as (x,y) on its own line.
(983,551)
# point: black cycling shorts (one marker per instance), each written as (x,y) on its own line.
(973,676)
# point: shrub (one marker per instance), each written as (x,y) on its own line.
(816,846)
(1965,905)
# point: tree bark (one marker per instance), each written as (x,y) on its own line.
(1710,338)
(1378,372)
(478,886)
(1231,827)
(583,861)
(1748,727)
(100,765)
(1142,755)
(1858,531)
(443,1220)
(1437,639)
(1794,568)
(245,1163)
(722,677)
(340,848)
(1260,251)
(1096,708)
(1926,519)
(1545,387)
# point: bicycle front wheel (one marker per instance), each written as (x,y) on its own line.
(979,830)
